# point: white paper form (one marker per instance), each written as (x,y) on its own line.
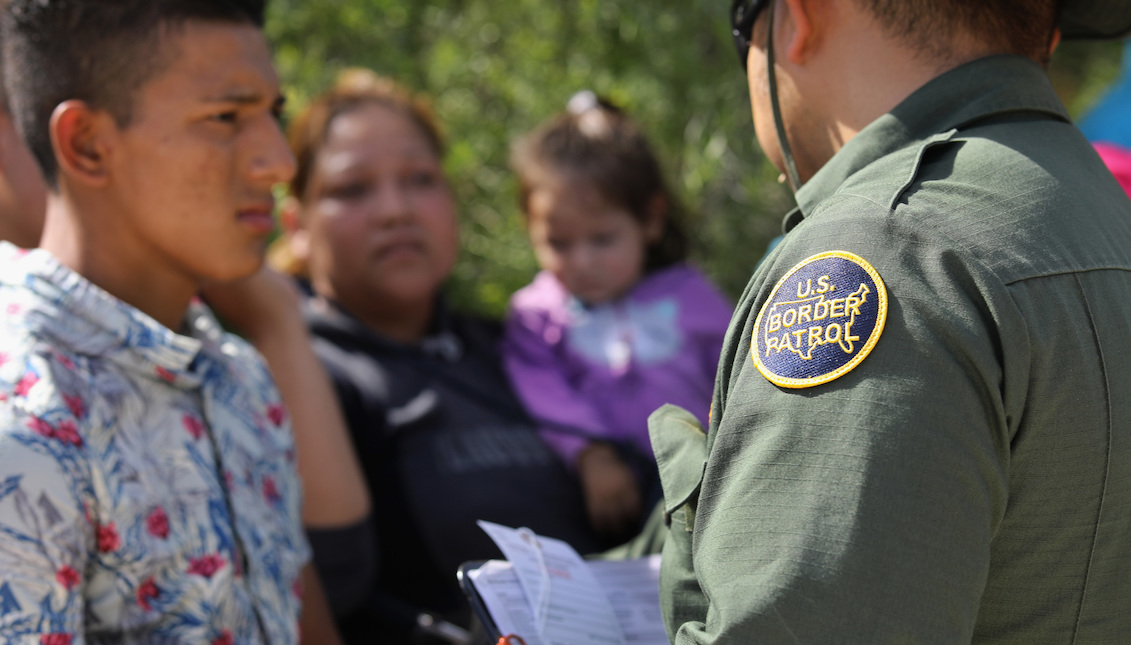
(498,587)
(568,604)
(633,588)
(631,585)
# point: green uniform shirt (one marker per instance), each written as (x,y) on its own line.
(969,480)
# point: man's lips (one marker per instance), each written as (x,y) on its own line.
(259,218)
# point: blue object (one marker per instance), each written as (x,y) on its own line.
(821,320)
(1110,119)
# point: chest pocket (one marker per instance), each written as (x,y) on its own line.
(681,455)
(680,446)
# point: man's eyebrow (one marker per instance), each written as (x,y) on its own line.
(246,97)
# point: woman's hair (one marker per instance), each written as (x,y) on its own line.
(597,141)
(355,88)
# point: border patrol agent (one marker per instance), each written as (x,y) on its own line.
(921,429)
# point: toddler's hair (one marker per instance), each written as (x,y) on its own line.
(597,141)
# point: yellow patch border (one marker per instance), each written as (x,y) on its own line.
(881,318)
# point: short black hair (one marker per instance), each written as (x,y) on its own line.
(1022,27)
(97,51)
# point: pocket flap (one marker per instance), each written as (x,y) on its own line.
(681,453)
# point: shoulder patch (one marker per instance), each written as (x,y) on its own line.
(820,321)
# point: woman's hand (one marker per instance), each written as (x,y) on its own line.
(260,307)
(612,495)
(265,309)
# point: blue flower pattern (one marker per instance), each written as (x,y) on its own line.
(147,484)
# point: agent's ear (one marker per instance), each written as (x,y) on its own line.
(80,139)
(657,218)
(802,20)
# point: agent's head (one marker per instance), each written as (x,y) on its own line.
(374,219)
(930,27)
(839,64)
(598,211)
(158,119)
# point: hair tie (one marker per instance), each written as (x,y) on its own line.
(583,101)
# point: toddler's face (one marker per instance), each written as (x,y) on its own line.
(594,248)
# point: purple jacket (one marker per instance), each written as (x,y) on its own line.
(602,370)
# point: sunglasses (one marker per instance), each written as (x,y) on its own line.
(743,13)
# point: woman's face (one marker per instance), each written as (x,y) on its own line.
(379,214)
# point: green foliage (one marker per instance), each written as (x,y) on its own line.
(496,69)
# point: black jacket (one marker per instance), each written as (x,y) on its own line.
(443,442)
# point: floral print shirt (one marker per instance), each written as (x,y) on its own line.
(148,492)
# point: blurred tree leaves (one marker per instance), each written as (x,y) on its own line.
(495,69)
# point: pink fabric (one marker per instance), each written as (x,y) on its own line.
(1118,160)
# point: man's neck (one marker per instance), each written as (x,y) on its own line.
(80,242)
(859,80)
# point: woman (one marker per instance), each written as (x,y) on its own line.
(442,439)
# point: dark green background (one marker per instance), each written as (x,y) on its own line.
(495,68)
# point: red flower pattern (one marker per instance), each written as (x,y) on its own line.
(41,427)
(147,591)
(277,413)
(68,433)
(14,309)
(107,537)
(157,523)
(113,533)
(193,425)
(26,383)
(68,577)
(207,565)
(75,405)
(271,490)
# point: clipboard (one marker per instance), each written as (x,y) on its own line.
(476,601)
(501,603)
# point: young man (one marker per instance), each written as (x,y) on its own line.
(147,484)
(921,429)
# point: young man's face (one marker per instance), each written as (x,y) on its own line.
(193,169)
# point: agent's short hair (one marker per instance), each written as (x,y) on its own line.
(97,51)
(1022,27)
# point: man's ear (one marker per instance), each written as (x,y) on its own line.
(79,138)
(803,19)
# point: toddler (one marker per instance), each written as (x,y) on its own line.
(616,324)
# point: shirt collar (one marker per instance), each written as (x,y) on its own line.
(81,317)
(977,90)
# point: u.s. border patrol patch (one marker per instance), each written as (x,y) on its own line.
(821,320)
